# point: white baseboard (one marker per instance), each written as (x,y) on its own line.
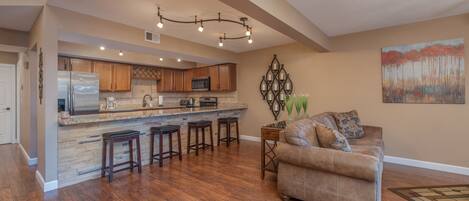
(427,165)
(250,138)
(29,160)
(46,186)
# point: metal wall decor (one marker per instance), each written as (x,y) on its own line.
(275,86)
(41,76)
(198,21)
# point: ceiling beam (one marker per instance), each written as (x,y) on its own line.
(281,16)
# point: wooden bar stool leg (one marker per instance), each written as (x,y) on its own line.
(218,135)
(131,155)
(152,147)
(139,156)
(103,162)
(211,137)
(197,141)
(188,139)
(170,145)
(228,134)
(203,138)
(161,150)
(179,145)
(111,160)
(237,132)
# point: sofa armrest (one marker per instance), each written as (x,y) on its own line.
(349,164)
(377,132)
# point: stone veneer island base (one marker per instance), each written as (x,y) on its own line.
(80,141)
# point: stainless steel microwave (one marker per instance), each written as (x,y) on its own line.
(201,84)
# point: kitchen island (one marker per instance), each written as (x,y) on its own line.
(80,141)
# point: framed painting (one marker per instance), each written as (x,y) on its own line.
(424,73)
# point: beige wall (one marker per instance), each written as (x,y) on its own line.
(44,35)
(8,57)
(350,78)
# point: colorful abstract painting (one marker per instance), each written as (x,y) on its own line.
(425,73)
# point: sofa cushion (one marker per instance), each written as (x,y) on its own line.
(332,139)
(301,133)
(348,124)
(325,118)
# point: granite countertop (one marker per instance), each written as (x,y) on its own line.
(157,112)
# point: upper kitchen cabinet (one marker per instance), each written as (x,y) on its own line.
(223,77)
(81,65)
(171,81)
(188,75)
(122,77)
(104,71)
(214,78)
(227,77)
(200,72)
(113,77)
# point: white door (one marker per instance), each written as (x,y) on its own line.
(7,104)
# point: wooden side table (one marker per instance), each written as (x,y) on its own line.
(269,137)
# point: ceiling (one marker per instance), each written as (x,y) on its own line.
(339,17)
(22,16)
(142,14)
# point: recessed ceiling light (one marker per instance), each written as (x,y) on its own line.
(179,59)
(121,53)
(161,59)
(250,40)
(102,47)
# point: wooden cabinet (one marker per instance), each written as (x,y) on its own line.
(122,77)
(171,81)
(223,77)
(104,71)
(81,65)
(227,77)
(63,63)
(178,77)
(113,77)
(214,78)
(188,74)
(200,72)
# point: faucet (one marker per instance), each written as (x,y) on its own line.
(146,102)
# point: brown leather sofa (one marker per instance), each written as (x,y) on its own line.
(309,172)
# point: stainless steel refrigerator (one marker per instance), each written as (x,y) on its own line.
(78,93)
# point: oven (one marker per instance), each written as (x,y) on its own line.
(201,84)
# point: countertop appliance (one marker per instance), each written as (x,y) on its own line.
(208,101)
(189,102)
(78,93)
(201,84)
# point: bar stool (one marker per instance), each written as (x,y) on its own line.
(120,136)
(165,130)
(227,121)
(199,125)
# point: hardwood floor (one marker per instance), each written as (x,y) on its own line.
(226,174)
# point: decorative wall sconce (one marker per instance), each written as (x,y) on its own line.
(275,86)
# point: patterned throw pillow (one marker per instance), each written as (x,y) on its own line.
(348,124)
(332,139)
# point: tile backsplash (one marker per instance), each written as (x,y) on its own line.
(142,87)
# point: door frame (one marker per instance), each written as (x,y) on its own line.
(14,135)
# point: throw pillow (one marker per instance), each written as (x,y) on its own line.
(301,133)
(332,139)
(348,124)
